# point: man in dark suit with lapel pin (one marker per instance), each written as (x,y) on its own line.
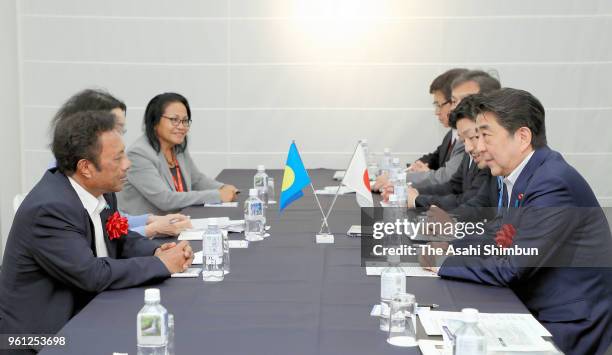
(548,206)
(468,179)
(67,243)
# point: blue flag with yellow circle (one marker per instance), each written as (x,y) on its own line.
(295,178)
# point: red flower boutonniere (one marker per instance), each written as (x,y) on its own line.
(116,226)
(504,236)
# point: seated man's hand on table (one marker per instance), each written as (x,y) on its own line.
(418,166)
(169,225)
(176,257)
(228,193)
(428,262)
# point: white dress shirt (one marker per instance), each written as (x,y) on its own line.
(94,206)
(510,180)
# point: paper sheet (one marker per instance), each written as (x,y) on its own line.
(331,190)
(194,235)
(190,272)
(339,175)
(504,331)
(200,225)
(222,204)
(410,271)
(233,244)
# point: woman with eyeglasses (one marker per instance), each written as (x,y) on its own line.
(163,176)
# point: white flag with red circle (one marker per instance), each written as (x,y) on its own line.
(357,178)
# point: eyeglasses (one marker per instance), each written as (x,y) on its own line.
(176,121)
(438,106)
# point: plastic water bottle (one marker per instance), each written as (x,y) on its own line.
(395,169)
(260,182)
(212,250)
(400,189)
(170,346)
(370,163)
(254,217)
(226,253)
(386,161)
(392,282)
(152,325)
(469,339)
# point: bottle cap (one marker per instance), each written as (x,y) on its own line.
(261,168)
(393,198)
(152,295)
(212,222)
(387,150)
(252,192)
(364,141)
(470,315)
(393,259)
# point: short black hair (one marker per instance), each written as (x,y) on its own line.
(87,100)
(443,82)
(486,82)
(76,137)
(153,114)
(465,109)
(514,109)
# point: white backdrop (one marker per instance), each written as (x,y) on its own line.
(259,73)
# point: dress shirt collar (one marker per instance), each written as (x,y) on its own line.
(510,180)
(93,205)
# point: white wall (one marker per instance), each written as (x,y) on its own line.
(10,145)
(323,72)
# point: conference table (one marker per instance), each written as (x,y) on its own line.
(284,295)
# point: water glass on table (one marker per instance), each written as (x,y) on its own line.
(402,330)
(271,194)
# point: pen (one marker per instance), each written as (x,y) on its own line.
(451,336)
(429,305)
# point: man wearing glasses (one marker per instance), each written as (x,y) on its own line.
(440,89)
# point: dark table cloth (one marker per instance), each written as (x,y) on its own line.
(284,295)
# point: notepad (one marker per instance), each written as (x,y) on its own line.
(190,272)
(222,204)
(411,271)
(339,175)
(194,234)
(504,332)
(331,190)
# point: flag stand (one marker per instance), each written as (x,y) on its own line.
(324,236)
(326,216)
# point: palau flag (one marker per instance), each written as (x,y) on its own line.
(295,178)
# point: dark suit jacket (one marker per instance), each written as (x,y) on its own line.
(568,285)
(463,185)
(50,271)
(437,158)
(483,205)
